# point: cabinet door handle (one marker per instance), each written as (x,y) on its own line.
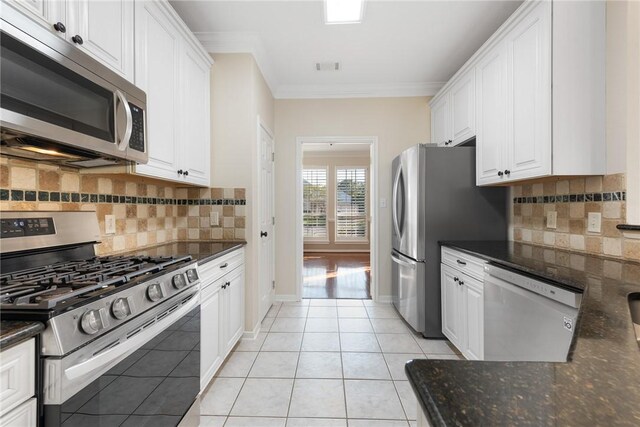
(60,27)
(180,171)
(263,234)
(461,262)
(77,39)
(500,173)
(225,265)
(507,172)
(455,279)
(186,173)
(227,284)
(460,283)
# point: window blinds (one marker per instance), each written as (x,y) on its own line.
(351,203)
(314,203)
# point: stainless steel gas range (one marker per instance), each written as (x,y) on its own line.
(122,339)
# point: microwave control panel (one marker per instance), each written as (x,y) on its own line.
(137,130)
(20,227)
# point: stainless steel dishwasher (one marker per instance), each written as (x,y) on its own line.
(525,318)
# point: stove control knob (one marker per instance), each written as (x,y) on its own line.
(178,281)
(91,322)
(192,275)
(120,308)
(154,292)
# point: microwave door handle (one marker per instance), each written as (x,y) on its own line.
(106,357)
(123,142)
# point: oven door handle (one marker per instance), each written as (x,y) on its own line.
(106,357)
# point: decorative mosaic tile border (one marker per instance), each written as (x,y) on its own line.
(614,196)
(65,197)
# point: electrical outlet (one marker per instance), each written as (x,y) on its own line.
(594,222)
(110,224)
(552,219)
(214,219)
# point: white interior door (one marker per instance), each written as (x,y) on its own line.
(267,257)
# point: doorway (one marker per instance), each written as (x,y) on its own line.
(336,217)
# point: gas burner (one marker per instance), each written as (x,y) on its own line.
(47,286)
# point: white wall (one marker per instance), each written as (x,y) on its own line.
(239,95)
(397,122)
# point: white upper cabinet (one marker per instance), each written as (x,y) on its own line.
(463,108)
(491,114)
(103,29)
(157,73)
(195,129)
(440,121)
(528,46)
(174,71)
(453,112)
(539,95)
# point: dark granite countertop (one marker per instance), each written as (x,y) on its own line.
(598,385)
(14,332)
(201,250)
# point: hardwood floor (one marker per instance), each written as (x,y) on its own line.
(336,275)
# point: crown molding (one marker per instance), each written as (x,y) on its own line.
(249,42)
(357,90)
(241,42)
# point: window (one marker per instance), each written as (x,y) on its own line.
(314,210)
(351,204)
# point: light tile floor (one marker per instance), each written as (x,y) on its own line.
(321,363)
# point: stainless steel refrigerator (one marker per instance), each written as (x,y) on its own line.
(435,198)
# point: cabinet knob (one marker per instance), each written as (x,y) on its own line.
(180,171)
(455,279)
(59,26)
(507,172)
(448,142)
(500,173)
(263,234)
(77,39)
(186,173)
(460,283)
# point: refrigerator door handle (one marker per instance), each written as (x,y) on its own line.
(394,208)
(397,260)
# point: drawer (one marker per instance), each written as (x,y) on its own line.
(463,262)
(213,270)
(17,375)
(22,416)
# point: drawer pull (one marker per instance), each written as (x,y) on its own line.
(461,262)
(225,265)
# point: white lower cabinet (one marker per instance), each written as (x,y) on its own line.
(24,415)
(211,353)
(462,308)
(17,385)
(221,311)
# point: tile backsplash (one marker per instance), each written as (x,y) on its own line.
(573,200)
(147,211)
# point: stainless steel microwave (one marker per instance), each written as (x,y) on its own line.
(60,105)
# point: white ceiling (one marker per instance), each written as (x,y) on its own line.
(402,48)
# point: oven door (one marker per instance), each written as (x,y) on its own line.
(146,373)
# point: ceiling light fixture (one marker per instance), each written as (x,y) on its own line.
(343,11)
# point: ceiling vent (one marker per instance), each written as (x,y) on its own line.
(327,66)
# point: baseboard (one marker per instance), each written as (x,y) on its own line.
(337,251)
(285,298)
(251,335)
(385,299)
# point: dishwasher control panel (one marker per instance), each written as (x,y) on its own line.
(540,287)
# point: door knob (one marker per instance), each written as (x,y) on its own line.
(263,234)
